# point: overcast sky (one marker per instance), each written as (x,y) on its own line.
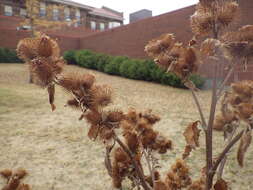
(128,6)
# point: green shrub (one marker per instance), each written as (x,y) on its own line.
(8,56)
(129,68)
(197,80)
(171,79)
(102,61)
(124,68)
(69,56)
(86,58)
(113,67)
(138,70)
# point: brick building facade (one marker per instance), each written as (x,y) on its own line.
(65,10)
(128,40)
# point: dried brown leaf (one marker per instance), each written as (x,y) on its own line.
(13,183)
(23,187)
(20,173)
(244,145)
(191,134)
(221,185)
(6,173)
(187,151)
(51,92)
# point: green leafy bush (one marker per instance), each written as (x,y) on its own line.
(8,56)
(69,56)
(197,80)
(86,58)
(171,79)
(138,70)
(130,68)
(124,68)
(113,67)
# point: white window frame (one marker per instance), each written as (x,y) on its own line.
(114,24)
(102,26)
(8,10)
(55,13)
(78,17)
(43,11)
(23,12)
(67,13)
(93,25)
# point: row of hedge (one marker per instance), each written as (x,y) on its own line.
(8,56)
(130,68)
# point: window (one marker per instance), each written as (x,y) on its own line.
(7,10)
(93,25)
(78,17)
(22,12)
(102,26)
(42,9)
(114,24)
(67,14)
(55,14)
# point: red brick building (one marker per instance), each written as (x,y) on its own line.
(64,10)
(128,40)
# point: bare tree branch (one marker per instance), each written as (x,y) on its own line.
(151,169)
(225,151)
(230,72)
(209,131)
(203,121)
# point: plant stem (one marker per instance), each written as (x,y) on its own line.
(151,170)
(223,162)
(209,133)
(225,151)
(221,167)
(203,121)
(230,72)
(139,172)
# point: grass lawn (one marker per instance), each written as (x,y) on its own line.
(55,149)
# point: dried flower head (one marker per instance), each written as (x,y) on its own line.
(101,95)
(152,118)
(76,81)
(162,144)
(239,44)
(178,177)
(132,141)
(41,46)
(7,173)
(159,45)
(27,49)
(115,116)
(208,15)
(174,57)
(209,47)
(47,47)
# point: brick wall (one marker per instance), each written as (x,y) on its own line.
(9,39)
(130,39)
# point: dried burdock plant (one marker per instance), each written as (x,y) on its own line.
(125,135)
(13,179)
(174,56)
(131,140)
(236,110)
(43,56)
(212,15)
(239,44)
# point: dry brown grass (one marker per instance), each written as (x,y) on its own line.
(55,149)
